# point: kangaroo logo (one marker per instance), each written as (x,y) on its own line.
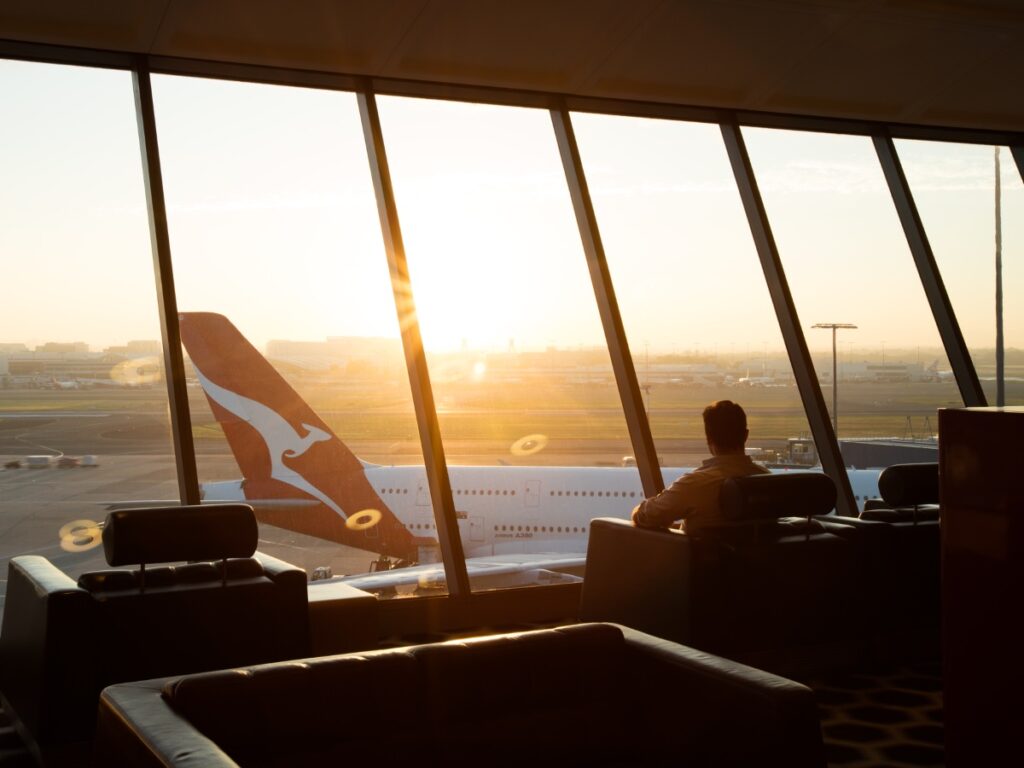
(280,437)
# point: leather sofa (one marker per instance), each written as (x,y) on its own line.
(901,535)
(766,583)
(594,694)
(62,642)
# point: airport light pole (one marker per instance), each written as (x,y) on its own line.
(1000,352)
(835,379)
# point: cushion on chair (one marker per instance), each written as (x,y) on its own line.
(768,497)
(175,534)
(910,485)
(109,581)
(927,513)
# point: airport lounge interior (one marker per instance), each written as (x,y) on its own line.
(725,478)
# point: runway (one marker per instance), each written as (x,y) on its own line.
(78,432)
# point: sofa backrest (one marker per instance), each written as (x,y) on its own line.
(909,485)
(768,497)
(179,533)
(526,694)
(910,494)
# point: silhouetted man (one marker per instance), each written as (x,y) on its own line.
(694,496)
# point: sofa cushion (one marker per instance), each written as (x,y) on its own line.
(109,581)
(320,708)
(926,513)
(113,581)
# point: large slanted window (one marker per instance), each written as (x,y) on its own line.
(529,412)
(299,395)
(83,402)
(954,186)
(847,261)
(690,287)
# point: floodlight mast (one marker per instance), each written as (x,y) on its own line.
(835,379)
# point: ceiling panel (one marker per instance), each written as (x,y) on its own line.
(526,44)
(874,66)
(714,53)
(348,37)
(941,62)
(115,25)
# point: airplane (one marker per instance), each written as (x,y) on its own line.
(938,375)
(300,476)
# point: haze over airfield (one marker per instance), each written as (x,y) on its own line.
(273,223)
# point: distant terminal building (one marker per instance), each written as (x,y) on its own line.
(680,373)
(141,348)
(878,372)
(73,362)
(63,348)
(337,351)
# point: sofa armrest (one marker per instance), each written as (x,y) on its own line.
(153,735)
(46,651)
(639,577)
(743,713)
(280,572)
(292,638)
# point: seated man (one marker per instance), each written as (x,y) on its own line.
(694,496)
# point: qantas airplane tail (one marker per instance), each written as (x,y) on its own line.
(283,448)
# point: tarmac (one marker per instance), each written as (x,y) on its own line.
(135,462)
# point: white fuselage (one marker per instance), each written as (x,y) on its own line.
(520,510)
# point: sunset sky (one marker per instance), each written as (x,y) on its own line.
(273,222)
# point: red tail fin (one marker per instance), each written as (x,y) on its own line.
(284,449)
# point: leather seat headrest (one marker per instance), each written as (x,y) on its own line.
(909,485)
(174,534)
(767,497)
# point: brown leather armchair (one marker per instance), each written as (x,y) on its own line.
(765,583)
(901,534)
(62,642)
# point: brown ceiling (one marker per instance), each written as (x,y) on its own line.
(936,62)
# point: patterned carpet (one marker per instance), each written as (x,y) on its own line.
(882,718)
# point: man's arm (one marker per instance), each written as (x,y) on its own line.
(677,502)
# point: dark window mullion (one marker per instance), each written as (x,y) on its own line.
(928,271)
(789,322)
(415,358)
(611,320)
(174,363)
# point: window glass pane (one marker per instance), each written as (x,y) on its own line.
(954,188)
(297,370)
(527,402)
(690,287)
(83,406)
(847,261)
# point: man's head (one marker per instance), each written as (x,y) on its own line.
(725,426)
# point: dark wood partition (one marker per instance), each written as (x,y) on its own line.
(981,466)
